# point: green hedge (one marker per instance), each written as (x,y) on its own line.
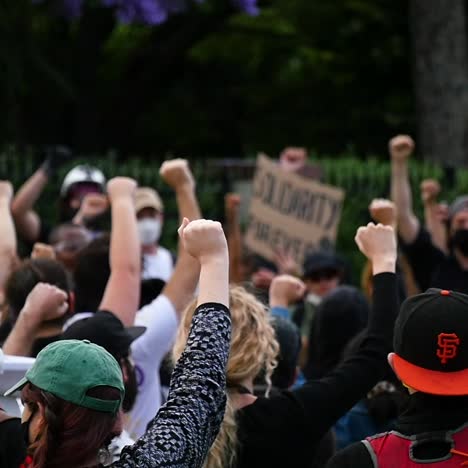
(362,181)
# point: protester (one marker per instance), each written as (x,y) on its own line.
(430,360)
(80,384)
(284,430)
(431,267)
(157,260)
(79,182)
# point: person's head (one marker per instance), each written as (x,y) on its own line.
(22,281)
(254,349)
(322,272)
(68,240)
(79,182)
(72,396)
(149,210)
(91,274)
(340,316)
(458,224)
(107,331)
(289,339)
(431,343)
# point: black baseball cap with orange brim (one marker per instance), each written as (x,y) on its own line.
(431,343)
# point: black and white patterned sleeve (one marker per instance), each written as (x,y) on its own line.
(184,429)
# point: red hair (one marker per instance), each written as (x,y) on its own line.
(69,435)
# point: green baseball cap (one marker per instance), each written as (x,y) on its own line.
(70,368)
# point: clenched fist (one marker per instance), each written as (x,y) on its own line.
(204,240)
(286,290)
(401,147)
(378,244)
(120,187)
(430,190)
(177,174)
(383,211)
(292,159)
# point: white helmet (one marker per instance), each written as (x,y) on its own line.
(82,173)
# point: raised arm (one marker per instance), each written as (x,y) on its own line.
(180,288)
(331,397)
(187,425)
(122,294)
(28,223)
(234,236)
(434,214)
(7,235)
(400,149)
(45,302)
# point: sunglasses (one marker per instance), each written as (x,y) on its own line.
(323,275)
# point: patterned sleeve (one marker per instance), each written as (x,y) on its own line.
(184,429)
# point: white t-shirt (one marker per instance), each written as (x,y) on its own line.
(160,320)
(158,265)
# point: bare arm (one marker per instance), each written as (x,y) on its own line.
(234,237)
(408,224)
(44,302)
(7,234)
(122,294)
(181,287)
(27,221)
(433,214)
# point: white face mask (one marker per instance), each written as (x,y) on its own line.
(149,230)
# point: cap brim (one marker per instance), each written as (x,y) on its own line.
(18,386)
(135,332)
(429,381)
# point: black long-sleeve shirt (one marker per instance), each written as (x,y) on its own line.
(284,430)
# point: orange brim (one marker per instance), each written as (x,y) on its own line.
(429,381)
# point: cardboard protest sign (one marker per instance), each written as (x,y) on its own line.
(291,213)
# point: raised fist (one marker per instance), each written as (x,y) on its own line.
(204,239)
(93,204)
(43,251)
(430,190)
(286,290)
(383,211)
(377,242)
(232,202)
(46,302)
(120,187)
(6,190)
(292,159)
(176,173)
(401,147)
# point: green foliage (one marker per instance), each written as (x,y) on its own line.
(362,181)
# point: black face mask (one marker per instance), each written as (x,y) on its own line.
(460,241)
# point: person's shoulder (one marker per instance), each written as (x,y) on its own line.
(355,455)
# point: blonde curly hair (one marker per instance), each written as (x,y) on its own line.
(254,350)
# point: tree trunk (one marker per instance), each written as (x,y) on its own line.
(440,66)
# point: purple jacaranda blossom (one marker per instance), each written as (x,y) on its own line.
(151,12)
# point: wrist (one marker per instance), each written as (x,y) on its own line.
(187,188)
(29,319)
(219,260)
(277,300)
(384,264)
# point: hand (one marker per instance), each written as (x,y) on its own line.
(293,159)
(262,278)
(383,211)
(401,147)
(45,302)
(378,244)
(93,205)
(6,190)
(54,157)
(176,173)
(286,290)
(43,251)
(430,190)
(204,240)
(232,203)
(286,263)
(120,187)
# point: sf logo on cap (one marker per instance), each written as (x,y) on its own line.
(448,346)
